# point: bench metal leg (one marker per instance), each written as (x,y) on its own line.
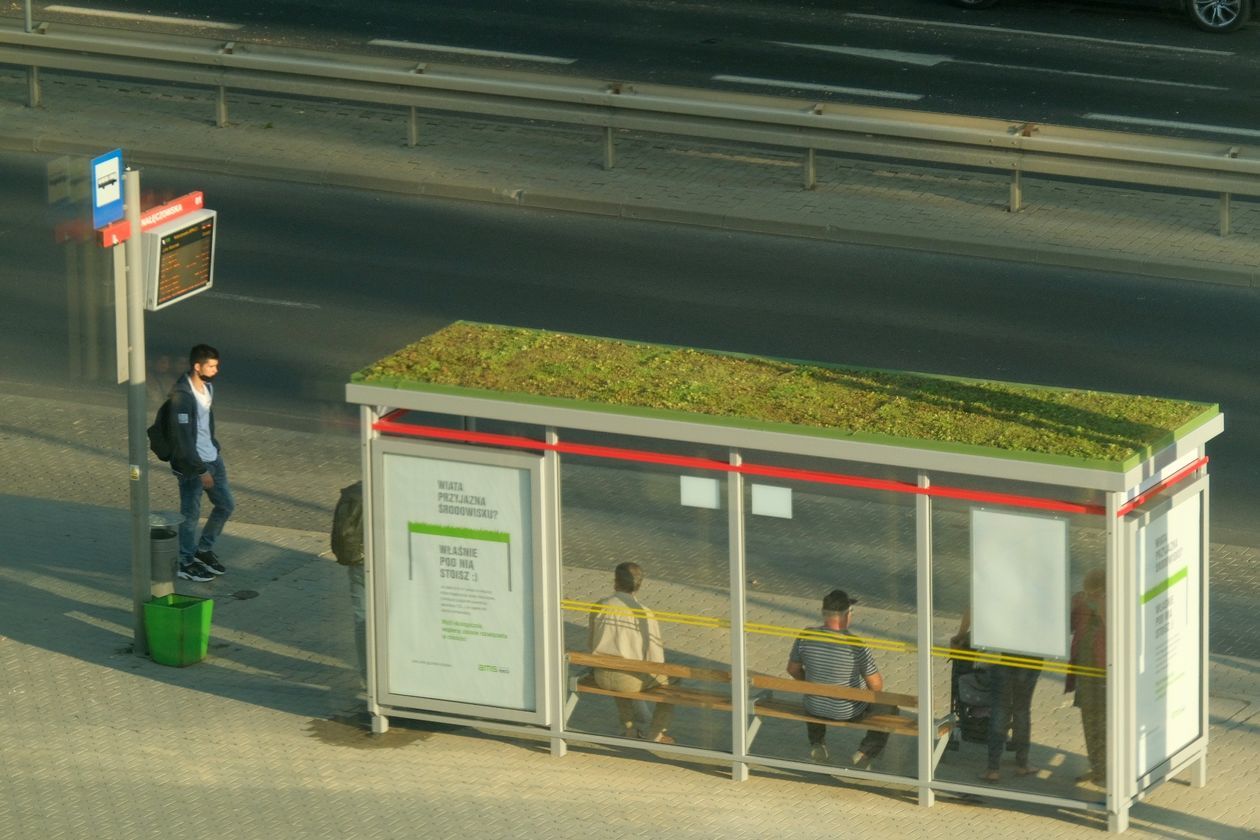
(569,706)
(752,730)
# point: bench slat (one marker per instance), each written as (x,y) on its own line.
(896,724)
(639,666)
(675,695)
(840,692)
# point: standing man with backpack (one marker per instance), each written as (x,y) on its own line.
(197,461)
(347,547)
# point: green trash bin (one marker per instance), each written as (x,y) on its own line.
(178,629)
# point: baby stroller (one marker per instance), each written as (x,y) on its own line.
(969,700)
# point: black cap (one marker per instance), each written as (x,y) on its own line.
(837,600)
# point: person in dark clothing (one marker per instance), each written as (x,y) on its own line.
(197,461)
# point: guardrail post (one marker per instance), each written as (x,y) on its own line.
(34,96)
(220,108)
(811,174)
(413,127)
(1017,192)
(610,149)
(1225,214)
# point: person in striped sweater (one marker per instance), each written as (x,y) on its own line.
(833,655)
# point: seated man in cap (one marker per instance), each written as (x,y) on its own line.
(831,654)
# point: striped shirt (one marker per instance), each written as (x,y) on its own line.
(835,664)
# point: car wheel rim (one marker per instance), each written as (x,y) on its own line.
(1217,13)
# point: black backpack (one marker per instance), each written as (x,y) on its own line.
(347,527)
(160,443)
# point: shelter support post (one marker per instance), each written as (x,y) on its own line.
(220,107)
(553,566)
(1120,682)
(1017,193)
(923,551)
(811,171)
(1198,770)
(413,127)
(739,578)
(368,415)
(1225,202)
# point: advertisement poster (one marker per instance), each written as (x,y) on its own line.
(1168,640)
(1019,583)
(458,547)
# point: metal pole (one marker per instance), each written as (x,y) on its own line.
(924,606)
(27,9)
(739,578)
(137,449)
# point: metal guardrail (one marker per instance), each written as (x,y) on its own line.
(810,126)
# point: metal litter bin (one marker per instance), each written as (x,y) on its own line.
(163,557)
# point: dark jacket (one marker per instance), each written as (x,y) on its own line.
(183,431)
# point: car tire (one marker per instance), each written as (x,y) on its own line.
(975,4)
(1219,15)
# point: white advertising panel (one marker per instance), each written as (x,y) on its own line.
(458,547)
(1168,641)
(1019,583)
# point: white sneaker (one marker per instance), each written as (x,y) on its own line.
(819,754)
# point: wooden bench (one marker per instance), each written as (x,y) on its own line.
(678,695)
(762,702)
(765,704)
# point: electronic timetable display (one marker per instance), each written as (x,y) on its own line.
(179,259)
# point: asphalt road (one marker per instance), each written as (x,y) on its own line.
(1134,66)
(313,284)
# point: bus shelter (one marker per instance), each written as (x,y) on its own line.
(992,535)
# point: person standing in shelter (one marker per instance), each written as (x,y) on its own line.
(624,628)
(1011,690)
(832,655)
(1089,649)
(347,546)
(197,461)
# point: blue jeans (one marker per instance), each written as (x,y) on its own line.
(1011,709)
(190,491)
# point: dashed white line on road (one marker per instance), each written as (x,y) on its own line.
(510,56)
(1187,126)
(921,59)
(931,60)
(1032,34)
(79,10)
(780,83)
(292,304)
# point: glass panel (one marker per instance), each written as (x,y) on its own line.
(805,540)
(616,512)
(1023,709)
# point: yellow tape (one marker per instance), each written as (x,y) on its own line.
(892,645)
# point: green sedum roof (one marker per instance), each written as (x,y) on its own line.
(1087,428)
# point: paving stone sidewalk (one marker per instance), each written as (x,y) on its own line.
(1110,228)
(259,740)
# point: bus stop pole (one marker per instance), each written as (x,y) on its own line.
(137,448)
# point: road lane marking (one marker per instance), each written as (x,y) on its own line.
(292,304)
(1033,34)
(779,83)
(79,10)
(931,60)
(510,56)
(920,59)
(1188,126)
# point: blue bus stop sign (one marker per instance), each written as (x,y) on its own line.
(106,185)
